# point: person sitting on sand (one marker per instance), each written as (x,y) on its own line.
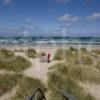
(43,58)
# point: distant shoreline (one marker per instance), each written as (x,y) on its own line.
(48,46)
(49,42)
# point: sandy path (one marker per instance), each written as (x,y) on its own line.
(39,70)
(4,72)
(93,89)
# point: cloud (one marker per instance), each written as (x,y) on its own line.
(31,21)
(7,2)
(60,1)
(94,16)
(28,27)
(67,23)
(68,18)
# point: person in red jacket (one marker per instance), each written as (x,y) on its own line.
(48,57)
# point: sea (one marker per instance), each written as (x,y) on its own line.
(54,41)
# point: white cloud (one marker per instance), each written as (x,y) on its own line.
(7,2)
(68,18)
(61,1)
(31,21)
(94,16)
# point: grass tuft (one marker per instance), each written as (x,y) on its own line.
(17,64)
(31,53)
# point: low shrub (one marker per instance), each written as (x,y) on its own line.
(18,63)
(73,49)
(83,50)
(59,54)
(98,65)
(6,53)
(97,51)
(31,53)
(72,57)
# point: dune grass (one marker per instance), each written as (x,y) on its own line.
(59,54)
(96,51)
(98,65)
(20,50)
(7,82)
(68,84)
(17,64)
(4,53)
(26,87)
(31,53)
(78,67)
(81,56)
(78,72)
(9,61)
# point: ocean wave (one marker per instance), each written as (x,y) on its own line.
(52,40)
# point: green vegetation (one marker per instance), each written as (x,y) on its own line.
(72,49)
(98,65)
(67,84)
(78,67)
(7,82)
(83,50)
(86,60)
(18,63)
(20,50)
(6,53)
(26,86)
(59,54)
(72,56)
(77,72)
(97,51)
(11,62)
(76,56)
(31,53)
(66,77)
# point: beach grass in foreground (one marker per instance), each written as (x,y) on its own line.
(74,66)
(78,66)
(25,85)
(7,82)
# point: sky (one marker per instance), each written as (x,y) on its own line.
(50,18)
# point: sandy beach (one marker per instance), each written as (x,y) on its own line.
(40,70)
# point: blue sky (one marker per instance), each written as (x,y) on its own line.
(49,17)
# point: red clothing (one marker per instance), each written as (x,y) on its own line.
(48,58)
(49,55)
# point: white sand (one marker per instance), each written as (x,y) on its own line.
(92,88)
(4,72)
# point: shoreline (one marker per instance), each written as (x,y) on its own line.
(63,46)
